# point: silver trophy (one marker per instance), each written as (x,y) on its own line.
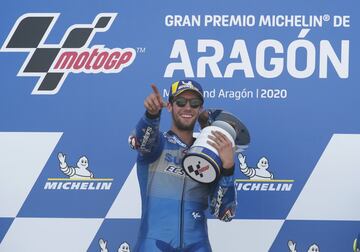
(202,162)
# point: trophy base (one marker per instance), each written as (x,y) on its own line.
(202,164)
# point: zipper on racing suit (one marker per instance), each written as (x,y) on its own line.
(182,216)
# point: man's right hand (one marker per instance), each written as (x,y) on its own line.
(153,103)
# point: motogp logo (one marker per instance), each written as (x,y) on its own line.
(53,62)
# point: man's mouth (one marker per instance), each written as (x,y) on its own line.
(186,116)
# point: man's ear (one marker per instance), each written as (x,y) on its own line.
(203,118)
(169,106)
(201,110)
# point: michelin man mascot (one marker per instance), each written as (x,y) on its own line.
(81,171)
(258,173)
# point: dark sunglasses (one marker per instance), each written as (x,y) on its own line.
(194,102)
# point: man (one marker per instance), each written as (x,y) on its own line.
(173,205)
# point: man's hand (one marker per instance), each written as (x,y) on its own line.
(224,147)
(153,103)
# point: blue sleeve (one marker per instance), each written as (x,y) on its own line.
(149,141)
(223,198)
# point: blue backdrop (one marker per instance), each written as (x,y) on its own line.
(294,83)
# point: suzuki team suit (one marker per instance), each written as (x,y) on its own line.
(173,205)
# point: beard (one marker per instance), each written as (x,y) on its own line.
(183,126)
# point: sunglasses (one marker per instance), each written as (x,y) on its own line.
(194,102)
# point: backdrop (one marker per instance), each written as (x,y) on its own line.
(74,75)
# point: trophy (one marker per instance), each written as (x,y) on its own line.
(202,162)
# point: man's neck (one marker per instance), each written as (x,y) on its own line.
(184,135)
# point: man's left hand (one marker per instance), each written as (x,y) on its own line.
(224,147)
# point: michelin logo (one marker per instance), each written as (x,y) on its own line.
(259,177)
(124,247)
(260,172)
(79,177)
(80,171)
(313,248)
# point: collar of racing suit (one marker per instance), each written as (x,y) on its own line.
(178,140)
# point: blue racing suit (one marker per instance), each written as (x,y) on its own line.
(173,205)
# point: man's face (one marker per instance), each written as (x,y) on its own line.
(184,118)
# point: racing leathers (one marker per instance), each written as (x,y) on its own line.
(173,205)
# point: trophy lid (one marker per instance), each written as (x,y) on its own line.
(242,133)
(225,126)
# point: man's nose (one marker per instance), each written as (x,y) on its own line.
(187,105)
